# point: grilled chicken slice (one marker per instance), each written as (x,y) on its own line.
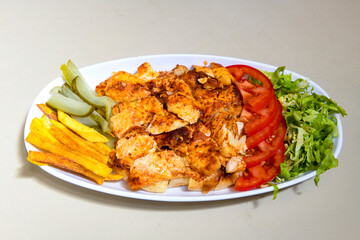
(222,74)
(179,99)
(173,84)
(227,134)
(180,70)
(184,107)
(155,167)
(209,103)
(205,70)
(136,114)
(125,87)
(180,125)
(179,139)
(133,146)
(206,77)
(203,156)
(146,73)
(235,164)
(147,113)
(100,88)
(190,78)
(164,122)
(231,97)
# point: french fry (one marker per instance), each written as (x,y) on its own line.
(63,151)
(47,111)
(37,163)
(77,146)
(61,162)
(37,126)
(114,177)
(99,147)
(44,121)
(102,148)
(86,132)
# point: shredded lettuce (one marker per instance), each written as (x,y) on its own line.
(311,126)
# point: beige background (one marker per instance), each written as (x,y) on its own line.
(318,39)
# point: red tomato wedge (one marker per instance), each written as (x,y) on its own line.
(267,148)
(256,95)
(238,72)
(262,118)
(259,175)
(254,140)
(264,125)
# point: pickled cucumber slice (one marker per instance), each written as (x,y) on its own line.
(82,89)
(94,116)
(67,92)
(70,106)
(103,123)
(78,84)
(67,73)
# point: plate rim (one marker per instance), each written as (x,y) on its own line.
(143,195)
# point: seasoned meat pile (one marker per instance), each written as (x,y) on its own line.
(178,127)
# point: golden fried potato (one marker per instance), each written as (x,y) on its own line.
(86,132)
(64,163)
(37,126)
(49,112)
(114,177)
(64,151)
(99,147)
(77,146)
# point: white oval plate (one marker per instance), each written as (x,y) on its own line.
(99,72)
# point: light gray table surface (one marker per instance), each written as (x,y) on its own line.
(318,39)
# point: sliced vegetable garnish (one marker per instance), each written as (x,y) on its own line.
(83,90)
(261,174)
(311,127)
(256,95)
(255,139)
(67,92)
(262,112)
(262,118)
(69,105)
(310,122)
(67,73)
(104,125)
(77,84)
(267,148)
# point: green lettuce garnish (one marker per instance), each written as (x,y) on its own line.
(311,127)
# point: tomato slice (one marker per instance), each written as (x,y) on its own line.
(267,148)
(259,175)
(262,118)
(256,95)
(262,98)
(238,72)
(254,140)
